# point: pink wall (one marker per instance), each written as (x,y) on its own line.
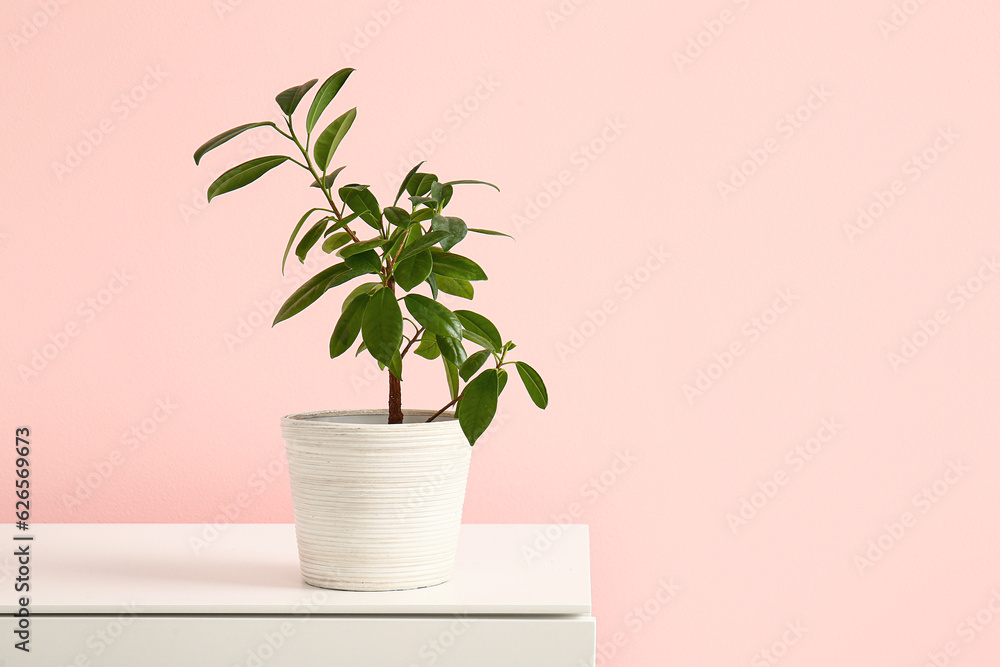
(616,140)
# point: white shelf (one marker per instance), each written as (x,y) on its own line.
(122,595)
(253,569)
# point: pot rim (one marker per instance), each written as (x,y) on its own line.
(312,419)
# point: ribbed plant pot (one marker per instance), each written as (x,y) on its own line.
(378,506)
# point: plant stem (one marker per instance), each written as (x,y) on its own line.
(395,400)
(319,179)
(441,411)
(413,340)
(395,390)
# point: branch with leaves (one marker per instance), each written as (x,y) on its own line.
(411,249)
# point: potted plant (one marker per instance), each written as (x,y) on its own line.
(378,494)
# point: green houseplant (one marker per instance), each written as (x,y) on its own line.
(391,276)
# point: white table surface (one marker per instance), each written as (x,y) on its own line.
(253,569)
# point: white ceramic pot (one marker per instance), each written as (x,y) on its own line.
(377,506)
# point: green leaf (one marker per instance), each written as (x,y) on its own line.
(329,178)
(473,364)
(328,141)
(244,174)
(473,183)
(424,241)
(363,288)
(343,222)
(382,327)
(313,289)
(324,96)
(361,348)
(309,239)
(451,265)
(422,214)
(335,241)
(479,404)
(396,365)
(479,340)
(295,232)
(441,193)
(413,270)
(428,347)
(406,179)
(348,326)
(480,325)
(420,184)
(435,191)
(220,139)
(361,246)
(396,216)
(454,228)
(455,287)
(452,350)
(417,200)
(432,280)
(289,99)
(363,202)
(433,316)
(490,232)
(451,373)
(364,262)
(502,380)
(533,383)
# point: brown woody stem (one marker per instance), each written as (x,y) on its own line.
(441,411)
(395,390)
(416,337)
